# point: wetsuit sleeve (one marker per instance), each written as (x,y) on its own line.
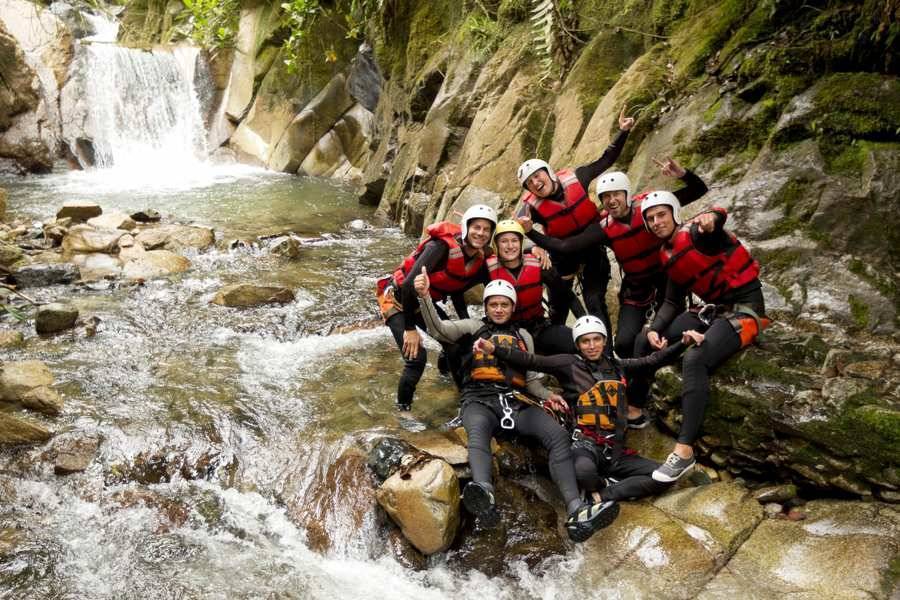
(587,173)
(433,255)
(669,308)
(534,381)
(592,236)
(652,361)
(535,215)
(445,330)
(555,364)
(694,188)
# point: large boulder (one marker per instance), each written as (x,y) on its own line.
(112,220)
(41,34)
(55,317)
(42,399)
(79,210)
(19,377)
(40,275)
(155,263)
(84,239)
(424,502)
(15,431)
(256,24)
(176,237)
(246,295)
(841,550)
(9,254)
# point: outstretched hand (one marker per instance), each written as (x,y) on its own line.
(421,283)
(525,219)
(656,342)
(670,168)
(625,123)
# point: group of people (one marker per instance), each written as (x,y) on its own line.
(688,288)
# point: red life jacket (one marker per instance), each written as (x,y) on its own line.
(457,273)
(529,289)
(710,277)
(636,249)
(563,219)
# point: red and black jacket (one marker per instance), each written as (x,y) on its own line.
(458,273)
(572,215)
(529,288)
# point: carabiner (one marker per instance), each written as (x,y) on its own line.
(707,314)
(506,422)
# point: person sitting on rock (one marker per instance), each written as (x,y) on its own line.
(637,251)
(559,202)
(495,398)
(528,273)
(594,390)
(703,258)
(454,255)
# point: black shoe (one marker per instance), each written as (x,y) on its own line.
(407,420)
(638,422)
(478,498)
(590,518)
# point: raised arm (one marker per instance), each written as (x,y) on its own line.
(587,173)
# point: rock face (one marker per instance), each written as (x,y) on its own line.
(55,317)
(245,295)
(424,502)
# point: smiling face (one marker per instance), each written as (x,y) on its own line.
(616,203)
(659,220)
(509,247)
(478,233)
(499,309)
(540,184)
(591,345)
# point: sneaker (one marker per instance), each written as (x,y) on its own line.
(408,421)
(638,422)
(452,424)
(478,498)
(591,518)
(673,468)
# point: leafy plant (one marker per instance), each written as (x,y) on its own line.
(554,42)
(301,17)
(213,23)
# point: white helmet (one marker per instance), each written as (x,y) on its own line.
(587,324)
(499,287)
(613,182)
(532,166)
(661,198)
(478,211)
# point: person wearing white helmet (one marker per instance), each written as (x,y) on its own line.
(559,202)
(455,257)
(703,258)
(637,252)
(594,390)
(495,397)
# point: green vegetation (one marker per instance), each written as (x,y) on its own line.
(859,311)
(213,23)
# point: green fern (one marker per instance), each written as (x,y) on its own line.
(543,24)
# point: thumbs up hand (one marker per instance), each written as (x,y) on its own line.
(525,219)
(422,283)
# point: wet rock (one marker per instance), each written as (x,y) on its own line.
(11,339)
(10,539)
(444,445)
(776,493)
(17,378)
(155,263)
(835,361)
(174,512)
(364,81)
(15,430)
(112,220)
(79,211)
(73,453)
(424,502)
(372,191)
(871,369)
(9,254)
(796,515)
(527,531)
(97,266)
(386,455)
(404,552)
(176,237)
(55,317)
(772,509)
(842,550)
(42,399)
(55,233)
(148,215)
(246,295)
(40,275)
(84,239)
(285,246)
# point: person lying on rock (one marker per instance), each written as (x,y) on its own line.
(454,255)
(637,251)
(559,202)
(527,273)
(496,397)
(594,390)
(703,258)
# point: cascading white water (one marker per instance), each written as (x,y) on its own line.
(144,114)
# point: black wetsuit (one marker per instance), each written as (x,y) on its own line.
(595,276)
(593,461)
(434,258)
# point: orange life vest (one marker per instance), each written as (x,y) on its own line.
(569,217)
(529,289)
(486,368)
(708,276)
(457,274)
